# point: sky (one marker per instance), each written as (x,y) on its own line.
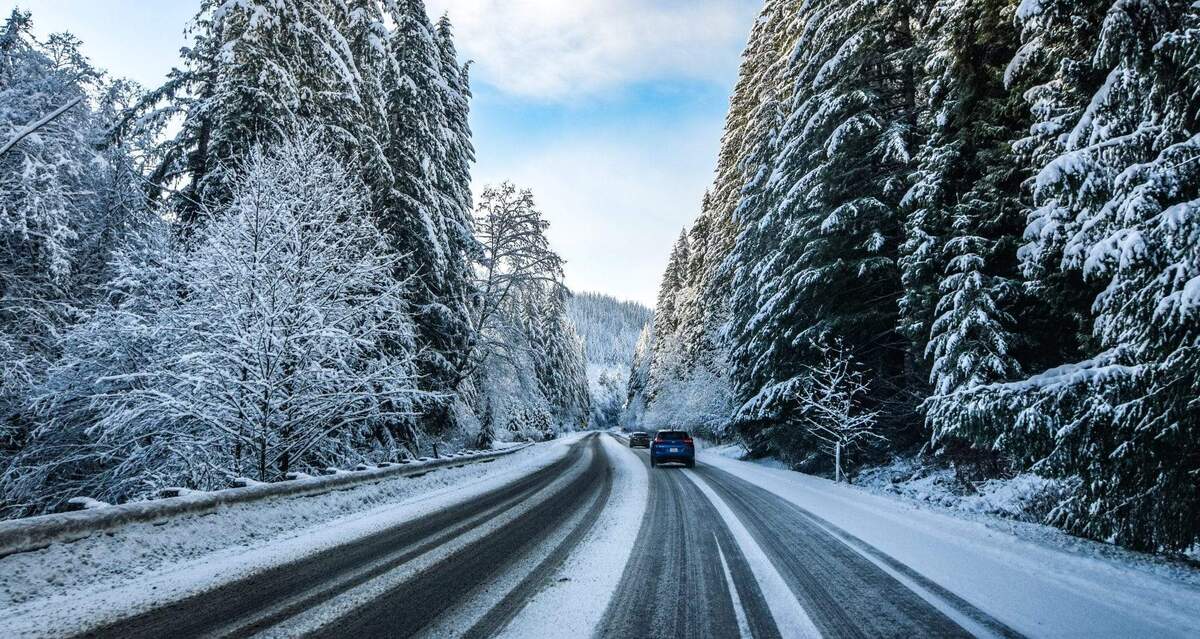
(609,110)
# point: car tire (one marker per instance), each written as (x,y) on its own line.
(691,464)
(652,463)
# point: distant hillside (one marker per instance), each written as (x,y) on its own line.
(609,328)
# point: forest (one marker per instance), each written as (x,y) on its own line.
(966,229)
(610,329)
(272,263)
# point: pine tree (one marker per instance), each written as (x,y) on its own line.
(639,378)
(664,361)
(967,213)
(1115,205)
(821,217)
(367,39)
(427,214)
(256,72)
(560,367)
(487,428)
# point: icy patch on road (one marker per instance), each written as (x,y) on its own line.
(1003,567)
(574,603)
(65,588)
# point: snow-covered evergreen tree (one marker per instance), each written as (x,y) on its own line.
(966,211)
(63,202)
(560,366)
(664,360)
(487,427)
(428,211)
(820,217)
(639,378)
(1115,205)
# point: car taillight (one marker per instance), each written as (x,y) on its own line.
(688,441)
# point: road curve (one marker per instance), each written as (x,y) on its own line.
(715,556)
(532,507)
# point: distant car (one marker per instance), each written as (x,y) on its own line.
(673,446)
(639,440)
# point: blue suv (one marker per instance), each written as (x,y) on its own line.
(673,446)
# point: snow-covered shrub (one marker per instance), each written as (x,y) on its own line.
(1024,497)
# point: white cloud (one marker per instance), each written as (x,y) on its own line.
(555,49)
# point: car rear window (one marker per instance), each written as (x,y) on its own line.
(672,435)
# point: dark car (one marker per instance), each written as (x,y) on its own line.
(673,446)
(639,440)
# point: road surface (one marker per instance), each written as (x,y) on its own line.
(714,557)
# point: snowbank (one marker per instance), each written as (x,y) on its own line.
(31,533)
(1026,497)
(593,570)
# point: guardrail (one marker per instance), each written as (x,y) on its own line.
(33,533)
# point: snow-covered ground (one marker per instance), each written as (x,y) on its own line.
(143,565)
(1026,497)
(1037,579)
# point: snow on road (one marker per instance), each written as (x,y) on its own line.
(790,616)
(1037,589)
(68,587)
(573,603)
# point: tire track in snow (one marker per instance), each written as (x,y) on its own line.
(673,584)
(790,617)
(847,591)
(262,600)
(466,578)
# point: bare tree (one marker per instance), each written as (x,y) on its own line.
(829,407)
(516,259)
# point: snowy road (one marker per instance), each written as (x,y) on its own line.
(400,581)
(591,541)
(712,544)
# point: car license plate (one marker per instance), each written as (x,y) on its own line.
(675,449)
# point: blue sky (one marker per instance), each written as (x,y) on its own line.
(610,110)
